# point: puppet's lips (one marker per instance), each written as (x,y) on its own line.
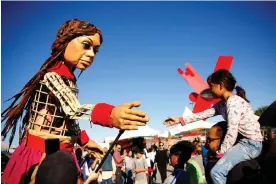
(86,63)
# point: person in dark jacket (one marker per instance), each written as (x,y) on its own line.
(162,160)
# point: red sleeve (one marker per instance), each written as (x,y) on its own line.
(83,138)
(101,114)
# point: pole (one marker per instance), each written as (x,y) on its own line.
(106,155)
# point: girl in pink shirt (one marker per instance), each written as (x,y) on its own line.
(240,118)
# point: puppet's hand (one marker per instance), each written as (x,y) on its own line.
(171,121)
(125,118)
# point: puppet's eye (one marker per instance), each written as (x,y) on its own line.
(86,45)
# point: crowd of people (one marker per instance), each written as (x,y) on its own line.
(138,165)
(187,162)
(235,149)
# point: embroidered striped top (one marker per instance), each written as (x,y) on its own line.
(239,116)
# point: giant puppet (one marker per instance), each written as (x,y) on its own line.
(50,107)
(202,98)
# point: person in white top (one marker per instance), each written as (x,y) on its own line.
(129,167)
(240,120)
(147,156)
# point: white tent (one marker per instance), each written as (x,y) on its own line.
(5,147)
(164,134)
(195,125)
(104,145)
(109,139)
(143,131)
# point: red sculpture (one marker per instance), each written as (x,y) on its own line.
(202,98)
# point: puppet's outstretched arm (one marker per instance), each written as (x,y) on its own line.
(122,117)
(70,104)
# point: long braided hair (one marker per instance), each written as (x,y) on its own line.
(23,100)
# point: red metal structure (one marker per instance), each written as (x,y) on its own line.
(200,97)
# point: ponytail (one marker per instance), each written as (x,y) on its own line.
(241,92)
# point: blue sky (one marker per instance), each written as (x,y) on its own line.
(144,44)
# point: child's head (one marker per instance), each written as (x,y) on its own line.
(129,152)
(154,148)
(140,153)
(105,150)
(223,81)
(181,152)
(124,152)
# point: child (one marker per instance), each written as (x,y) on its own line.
(180,153)
(194,172)
(140,168)
(240,118)
(129,164)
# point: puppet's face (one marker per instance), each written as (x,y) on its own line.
(81,51)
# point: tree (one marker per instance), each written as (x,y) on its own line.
(260,110)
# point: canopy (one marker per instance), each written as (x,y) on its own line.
(195,125)
(143,131)
(104,145)
(5,147)
(109,139)
(164,134)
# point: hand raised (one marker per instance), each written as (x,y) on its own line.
(125,118)
(92,177)
(94,148)
(171,121)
